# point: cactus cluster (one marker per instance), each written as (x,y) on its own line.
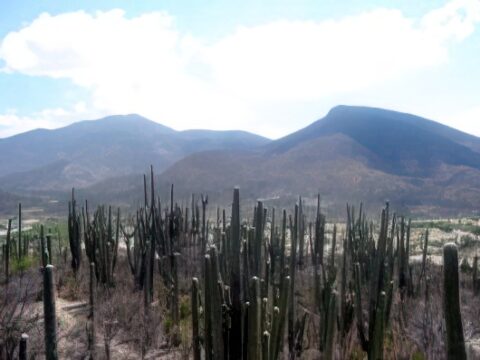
(101,237)
(242,310)
(373,269)
(248,276)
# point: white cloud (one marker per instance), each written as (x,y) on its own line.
(146,65)
(12,122)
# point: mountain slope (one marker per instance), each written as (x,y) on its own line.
(353,154)
(404,144)
(90,151)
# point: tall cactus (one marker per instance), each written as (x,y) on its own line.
(204,224)
(74,233)
(23,352)
(43,248)
(21,250)
(254,320)
(279,316)
(329,352)
(291,303)
(50,318)
(209,290)
(301,233)
(235,352)
(451,299)
(7,251)
(91,334)
(195,320)
(475,284)
(49,248)
(257,246)
(424,254)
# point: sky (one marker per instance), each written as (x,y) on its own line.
(269,67)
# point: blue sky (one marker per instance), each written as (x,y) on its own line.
(269,67)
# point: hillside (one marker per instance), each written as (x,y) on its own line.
(352,154)
(90,151)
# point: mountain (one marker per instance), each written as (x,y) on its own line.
(398,143)
(90,151)
(353,154)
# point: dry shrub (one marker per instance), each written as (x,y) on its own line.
(16,317)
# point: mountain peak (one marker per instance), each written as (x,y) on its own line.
(127,122)
(365,112)
(404,144)
(124,118)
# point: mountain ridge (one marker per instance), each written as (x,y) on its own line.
(111,146)
(353,154)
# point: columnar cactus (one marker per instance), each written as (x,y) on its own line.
(424,254)
(293,263)
(235,352)
(43,248)
(475,284)
(7,251)
(49,249)
(91,315)
(257,244)
(74,234)
(204,224)
(50,318)
(278,323)
(195,320)
(21,250)
(301,233)
(23,352)
(175,290)
(329,352)
(451,300)
(254,320)
(209,292)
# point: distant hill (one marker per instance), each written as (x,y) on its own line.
(90,151)
(353,154)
